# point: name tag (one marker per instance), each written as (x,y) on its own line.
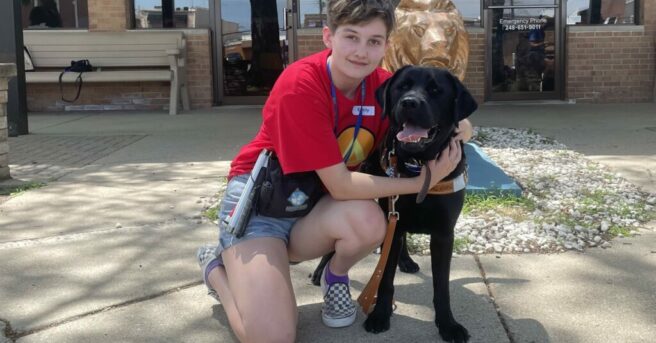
(366,110)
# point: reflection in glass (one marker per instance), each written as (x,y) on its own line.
(171,14)
(604,12)
(470,11)
(524,2)
(48,14)
(312,13)
(254,45)
(523,50)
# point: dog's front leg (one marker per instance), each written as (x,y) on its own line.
(379,319)
(441,247)
(406,264)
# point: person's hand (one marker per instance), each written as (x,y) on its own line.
(464,131)
(444,165)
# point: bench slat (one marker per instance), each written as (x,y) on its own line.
(99,38)
(101,54)
(131,48)
(103,76)
(102,62)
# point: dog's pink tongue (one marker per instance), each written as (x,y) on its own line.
(411,133)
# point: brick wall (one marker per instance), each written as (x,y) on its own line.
(199,70)
(475,75)
(132,95)
(649,20)
(605,63)
(311,42)
(610,64)
(6,71)
(107,15)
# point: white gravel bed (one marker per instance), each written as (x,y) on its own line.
(569,202)
(575,202)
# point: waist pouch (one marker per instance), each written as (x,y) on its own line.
(288,196)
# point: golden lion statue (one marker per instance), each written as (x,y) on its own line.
(428,32)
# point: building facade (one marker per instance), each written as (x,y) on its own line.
(599,51)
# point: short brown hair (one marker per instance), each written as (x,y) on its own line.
(355,12)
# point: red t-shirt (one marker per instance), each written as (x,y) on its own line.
(298,121)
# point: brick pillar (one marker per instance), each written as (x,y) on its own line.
(107,15)
(7,71)
(649,8)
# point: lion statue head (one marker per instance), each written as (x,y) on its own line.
(428,32)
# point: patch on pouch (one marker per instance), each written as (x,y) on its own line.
(298,200)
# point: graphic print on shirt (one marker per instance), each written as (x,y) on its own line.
(362,145)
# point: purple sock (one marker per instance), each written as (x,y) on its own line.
(332,278)
(210,267)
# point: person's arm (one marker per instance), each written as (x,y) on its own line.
(464,131)
(343,184)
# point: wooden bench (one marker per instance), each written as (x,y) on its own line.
(115,57)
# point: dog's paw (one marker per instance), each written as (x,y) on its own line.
(408,265)
(377,322)
(454,333)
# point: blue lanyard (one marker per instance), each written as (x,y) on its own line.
(333,94)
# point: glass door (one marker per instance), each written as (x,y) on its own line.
(306,18)
(253,47)
(255,40)
(524,50)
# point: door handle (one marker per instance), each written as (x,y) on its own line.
(286,11)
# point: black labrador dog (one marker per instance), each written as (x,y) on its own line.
(424,105)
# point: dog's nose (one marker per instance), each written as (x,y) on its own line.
(409,103)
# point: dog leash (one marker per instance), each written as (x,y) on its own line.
(368,295)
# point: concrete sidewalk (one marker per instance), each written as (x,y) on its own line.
(105,252)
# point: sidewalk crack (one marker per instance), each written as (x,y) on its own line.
(8,331)
(494,302)
(19,334)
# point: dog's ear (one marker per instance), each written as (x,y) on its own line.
(383,93)
(464,102)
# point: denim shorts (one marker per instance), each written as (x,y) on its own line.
(258,226)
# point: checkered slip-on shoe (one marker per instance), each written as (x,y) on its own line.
(205,255)
(338,309)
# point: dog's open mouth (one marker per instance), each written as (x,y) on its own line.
(412,134)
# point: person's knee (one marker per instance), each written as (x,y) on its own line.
(368,221)
(271,331)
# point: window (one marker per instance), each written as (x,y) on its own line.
(55,14)
(157,14)
(601,12)
(470,10)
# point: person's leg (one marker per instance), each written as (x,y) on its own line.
(218,280)
(353,229)
(256,291)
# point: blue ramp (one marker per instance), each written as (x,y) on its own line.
(485,176)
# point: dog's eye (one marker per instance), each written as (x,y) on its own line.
(434,90)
